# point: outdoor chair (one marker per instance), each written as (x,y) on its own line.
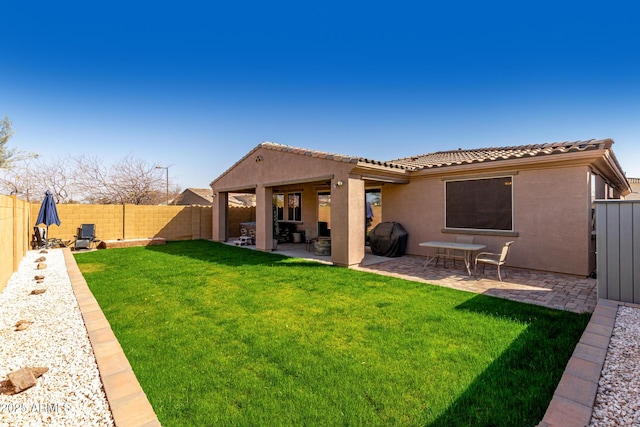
(497,259)
(42,242)
(310,237)
(86,237)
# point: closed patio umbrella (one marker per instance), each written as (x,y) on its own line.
(48,213)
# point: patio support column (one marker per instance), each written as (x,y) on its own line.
(219,217)
(347,221)
(264,218)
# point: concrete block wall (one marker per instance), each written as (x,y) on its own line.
(115,222)
(201,223)
(107,218)
(238,214)
(170,222)
(14,235)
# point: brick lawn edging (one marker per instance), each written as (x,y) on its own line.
(110,244)
(573,400)
(128,402)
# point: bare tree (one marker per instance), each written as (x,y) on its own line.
(130,180)
(8,156)
(20,179)
(54,176)
(6,132)
(89,180)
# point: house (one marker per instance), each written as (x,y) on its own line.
(635,189)
(204,197)
(194,196)
(540,196)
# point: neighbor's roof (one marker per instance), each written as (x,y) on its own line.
(481,155)
(205,193)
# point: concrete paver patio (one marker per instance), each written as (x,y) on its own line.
(554,290)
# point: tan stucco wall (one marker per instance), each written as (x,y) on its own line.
(289,172)
(551,217)
(279,167)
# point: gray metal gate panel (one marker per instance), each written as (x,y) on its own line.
(618,250)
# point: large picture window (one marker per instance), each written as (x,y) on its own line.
(480,204)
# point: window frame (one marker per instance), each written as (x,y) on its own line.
(294,211)
(279,198)
(471,227)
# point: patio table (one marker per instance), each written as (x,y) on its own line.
(467,248)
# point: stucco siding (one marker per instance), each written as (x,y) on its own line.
(419,208)
(551,217)
(265,166)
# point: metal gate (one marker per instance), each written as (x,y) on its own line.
(618,249)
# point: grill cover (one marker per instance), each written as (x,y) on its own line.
(388,239)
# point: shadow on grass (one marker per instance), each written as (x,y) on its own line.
(232,256)
(515,390)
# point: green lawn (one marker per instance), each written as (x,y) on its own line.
(224,336)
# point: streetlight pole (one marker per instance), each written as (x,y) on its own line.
(167,169)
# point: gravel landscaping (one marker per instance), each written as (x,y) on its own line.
(70,393)
(618,398)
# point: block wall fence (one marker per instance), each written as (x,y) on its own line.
(15,217)
(113,222)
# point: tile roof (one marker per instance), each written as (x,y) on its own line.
(310,153)
(329,156)
(455,157)
(480,155)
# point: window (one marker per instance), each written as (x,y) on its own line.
(292,209)
(480,204)
(293,203)
(278,200)
(324,208)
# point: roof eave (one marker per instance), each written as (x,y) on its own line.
(577,158)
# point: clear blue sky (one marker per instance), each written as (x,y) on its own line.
(198,84)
